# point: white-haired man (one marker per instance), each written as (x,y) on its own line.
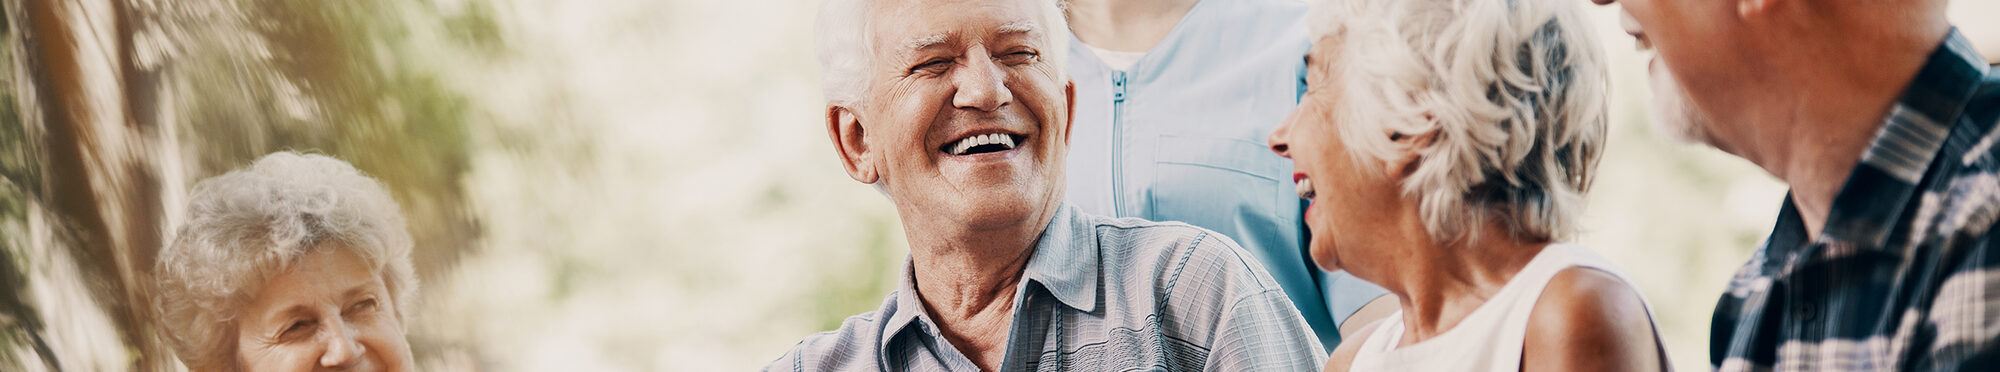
(1881,118)
(959,110)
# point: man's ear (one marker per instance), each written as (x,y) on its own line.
(851,143)
(1069,96)
(1409,150)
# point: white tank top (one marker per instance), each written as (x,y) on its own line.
(1490,338)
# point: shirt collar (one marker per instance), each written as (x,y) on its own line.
(1871,202)
(903,311)
(1065,262)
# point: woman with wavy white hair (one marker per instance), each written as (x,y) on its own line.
(1446,146)
(298,262)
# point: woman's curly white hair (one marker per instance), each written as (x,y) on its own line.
(1514,89)
(251,224)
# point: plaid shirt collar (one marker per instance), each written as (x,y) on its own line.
(1871,203)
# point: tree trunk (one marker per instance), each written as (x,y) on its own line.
(98,152)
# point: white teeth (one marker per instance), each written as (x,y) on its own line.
(985,139)
(1305,188)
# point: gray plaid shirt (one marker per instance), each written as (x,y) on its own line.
(1905,276)
(1098,294)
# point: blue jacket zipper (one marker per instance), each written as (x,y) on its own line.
(1117,144)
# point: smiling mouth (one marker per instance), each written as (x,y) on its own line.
(1305,186)
(981,144)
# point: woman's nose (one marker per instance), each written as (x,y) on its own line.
(342,349)
(1277,139)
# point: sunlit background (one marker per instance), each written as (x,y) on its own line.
(600,185)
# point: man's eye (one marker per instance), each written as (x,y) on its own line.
(932,66)
(1019,57)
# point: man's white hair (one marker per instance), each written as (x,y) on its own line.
(1513,88)
(251,224)
(846,54)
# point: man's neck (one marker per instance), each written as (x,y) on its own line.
(1836,114)
(966,280)
(972,299)
(1125,25)
(961,282)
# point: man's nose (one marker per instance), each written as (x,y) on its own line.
(342,349)
(981,84)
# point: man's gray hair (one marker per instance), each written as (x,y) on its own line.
(1513,88)
(251,224)
(844,46)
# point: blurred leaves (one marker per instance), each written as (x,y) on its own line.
(20,327)
(327,76)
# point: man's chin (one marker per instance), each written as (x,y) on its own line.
(1672,113)
(1679,128)
(991,214)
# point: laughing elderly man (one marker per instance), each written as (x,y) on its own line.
(959,110)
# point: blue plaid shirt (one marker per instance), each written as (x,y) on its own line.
(1098,294)
(1904,276)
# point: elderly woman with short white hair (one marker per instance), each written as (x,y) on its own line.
(298,262)
(1446,146)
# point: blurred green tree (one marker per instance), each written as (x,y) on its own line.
(107,123)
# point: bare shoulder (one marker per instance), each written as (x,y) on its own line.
(1589,320)
(1343,355)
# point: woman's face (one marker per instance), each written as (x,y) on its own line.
(1350,204)
(329,311)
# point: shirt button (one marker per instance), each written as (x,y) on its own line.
(1809,312)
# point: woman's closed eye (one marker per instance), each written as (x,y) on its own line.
(296,329)
(364,306)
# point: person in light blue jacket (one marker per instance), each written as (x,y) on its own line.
(1174,99)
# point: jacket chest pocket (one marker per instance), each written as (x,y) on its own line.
(1217,183)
